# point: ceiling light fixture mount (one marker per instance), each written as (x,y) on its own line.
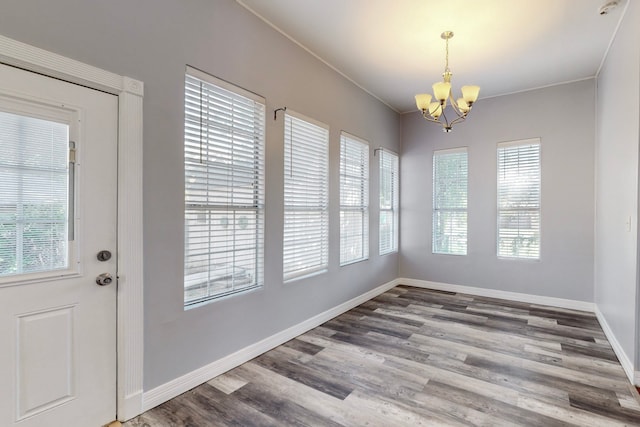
(435,111)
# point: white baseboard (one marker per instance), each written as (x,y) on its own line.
(617,348)
(173,388)
(493,293)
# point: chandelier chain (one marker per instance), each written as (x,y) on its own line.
(446,67)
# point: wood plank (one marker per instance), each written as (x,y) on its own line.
(418,357)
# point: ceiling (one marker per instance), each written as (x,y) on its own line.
(393,50)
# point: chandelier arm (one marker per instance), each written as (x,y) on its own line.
(446,121)
(425,115)
(454,104)
(459,119)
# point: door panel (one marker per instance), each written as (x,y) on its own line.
(44,360)
(57,326)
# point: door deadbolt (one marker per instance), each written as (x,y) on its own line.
(104,256)
(104,279)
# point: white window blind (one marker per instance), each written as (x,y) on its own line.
(34,188)
(306,197)
(389,201)
(354,199)
(519,199)
(450,180)
(224,188)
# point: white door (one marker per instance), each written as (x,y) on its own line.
(57,212)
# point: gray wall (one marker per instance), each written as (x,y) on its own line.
(563,117)
(617,139)
(153,40)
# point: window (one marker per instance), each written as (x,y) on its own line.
(306,197)
(354,199)
(224,188)
(519,199)
(450,178)
(34,195)
(388,231)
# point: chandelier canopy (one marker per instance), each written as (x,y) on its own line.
(436,111)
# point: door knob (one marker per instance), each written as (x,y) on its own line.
(104,279)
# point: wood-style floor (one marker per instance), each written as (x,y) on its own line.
(417,357)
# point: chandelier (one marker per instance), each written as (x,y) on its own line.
(435,111)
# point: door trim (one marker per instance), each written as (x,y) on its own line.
(130,92)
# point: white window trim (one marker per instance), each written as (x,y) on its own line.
(130,92)
(366,208)
(259,207)
(32,108)
(433,209)
(395,204)
(504,144)
(224,84)
(302,274)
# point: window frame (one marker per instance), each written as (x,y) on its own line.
(437,210)
(536,211)
(67,116)
(352,142)
(394,171)
(297,200)
(249,177)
